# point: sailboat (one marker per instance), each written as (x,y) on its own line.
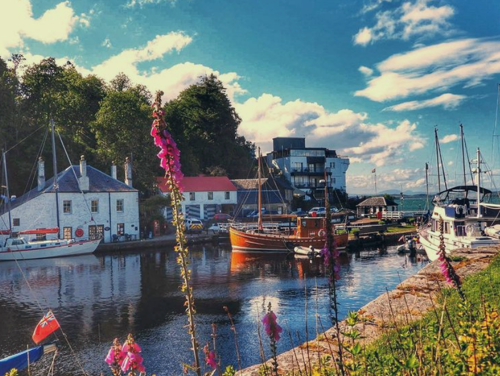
(465,214)
(16,247)
(22,360)
(310,232)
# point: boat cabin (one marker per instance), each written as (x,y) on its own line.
(311,227)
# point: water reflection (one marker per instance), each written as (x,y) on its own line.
(98,298)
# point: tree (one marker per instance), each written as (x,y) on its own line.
(122,128)
(205,126)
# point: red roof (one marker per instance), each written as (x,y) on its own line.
(201,184)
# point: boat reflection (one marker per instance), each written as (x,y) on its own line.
(264,263)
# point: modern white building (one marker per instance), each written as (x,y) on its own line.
(305,167)
(204,196)
(88,204)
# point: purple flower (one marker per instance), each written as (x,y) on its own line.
(272,328)
(210,357)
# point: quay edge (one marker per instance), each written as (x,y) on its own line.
(408,302)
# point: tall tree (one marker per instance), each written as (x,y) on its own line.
(122,128)
(205,125)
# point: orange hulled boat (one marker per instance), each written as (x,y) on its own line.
(310,231)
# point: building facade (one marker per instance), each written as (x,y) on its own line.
(306,168)
(88,204)
(204,196)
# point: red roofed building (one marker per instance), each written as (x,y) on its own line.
(204,196)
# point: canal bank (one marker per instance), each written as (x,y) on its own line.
(410,301)
(168,240)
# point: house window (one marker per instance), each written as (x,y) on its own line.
(120,229)
(332,165)
(67,232)
(16,222)
(210,195)
(119,205)
(334,181)
(226,195)
(297,166)
(94,206)
(67,206)
(192,196)
(96,232)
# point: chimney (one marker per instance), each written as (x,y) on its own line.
(84,179)
(113,170)
(128,172)
(41,174)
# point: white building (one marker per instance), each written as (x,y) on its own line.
(204,196)
(90,204)
(305,167)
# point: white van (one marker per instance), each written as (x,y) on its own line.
(193,225)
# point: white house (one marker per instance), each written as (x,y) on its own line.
(88,204)
(204,196)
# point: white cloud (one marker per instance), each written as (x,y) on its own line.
(448,101)
(345,131)
(106,43)
(141,3)
(408,20)
(17,23)
(366,71)
(448,138)
(466,62)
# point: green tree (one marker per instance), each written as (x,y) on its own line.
(205,126)
(122,128)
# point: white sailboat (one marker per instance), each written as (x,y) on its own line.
(16,247)
(465,215)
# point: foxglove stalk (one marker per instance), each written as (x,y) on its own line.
(273,330)
(115,357)
(170,161)
(447,269)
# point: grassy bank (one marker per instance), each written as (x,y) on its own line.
(455,338)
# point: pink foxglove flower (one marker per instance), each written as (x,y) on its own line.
(132,360)
(271,326)
(210,357)
(115,357)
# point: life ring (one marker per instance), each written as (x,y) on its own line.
(79,232)
(322,232)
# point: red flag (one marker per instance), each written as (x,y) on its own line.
(47,325)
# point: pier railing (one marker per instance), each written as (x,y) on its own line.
(402,214)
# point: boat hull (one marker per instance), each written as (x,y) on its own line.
(69,249)
(248,242)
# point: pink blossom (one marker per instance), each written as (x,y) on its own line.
(210,357)
(272,328)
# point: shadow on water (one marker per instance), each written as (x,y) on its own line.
(98,298)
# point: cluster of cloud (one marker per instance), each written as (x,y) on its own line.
(56,24)
(448,101)
(438,67)
(406,21)
(267,116)
(399,178)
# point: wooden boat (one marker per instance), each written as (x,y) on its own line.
(310,231)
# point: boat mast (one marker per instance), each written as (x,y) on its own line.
(54,163)
(478,181)
(259,222)
(427,186)
(4,158)
(463,154)
(436,141)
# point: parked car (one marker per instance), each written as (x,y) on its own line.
(222,217)
(193,225)
(300,213)
(318,210)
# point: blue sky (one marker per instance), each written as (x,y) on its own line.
(370,79)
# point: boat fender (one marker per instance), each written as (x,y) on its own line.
(79,232)
(321,232)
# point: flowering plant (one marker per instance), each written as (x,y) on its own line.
(127,358)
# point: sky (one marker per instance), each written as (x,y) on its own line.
(370,79)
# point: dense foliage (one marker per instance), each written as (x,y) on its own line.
(107,122)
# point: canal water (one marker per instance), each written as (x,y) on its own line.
(99,297)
